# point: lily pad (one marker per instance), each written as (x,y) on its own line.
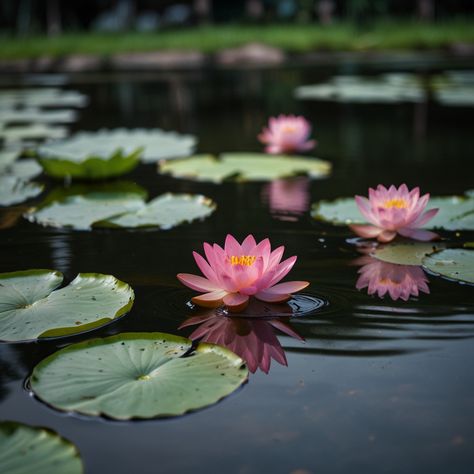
(14,190)
(33,115)
(245,167)
(31,306)
(137,375)
(406,253)
(44,97)
(23,169)
(90,167)
(455,212)
(7,157)
(456,264)
(26,449)
(165,212)
(36,131)
(153,144)
(79,212)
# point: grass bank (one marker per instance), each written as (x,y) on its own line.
(295,38)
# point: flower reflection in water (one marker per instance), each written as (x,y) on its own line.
(398,281)
(252,338)
(287,198)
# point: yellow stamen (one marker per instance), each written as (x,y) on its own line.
(246,260)
(398,203)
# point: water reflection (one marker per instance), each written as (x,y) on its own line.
(253,339)
(287,198)
(396,281)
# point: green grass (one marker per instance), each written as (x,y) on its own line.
(298,38)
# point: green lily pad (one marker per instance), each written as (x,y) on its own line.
(137,375)
(24,169)
(44,97)
(8,157)
(14,190)
(31,306)
(150,144)
(25,449)
(244,167)
(455,212)
(165,212)
(456,264)
(34,115)
(80,212)
(90,167)
(405,253)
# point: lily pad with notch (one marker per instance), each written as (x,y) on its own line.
(244,167)
(405,253)
(25,448)
(158,375)
(455,264)
(32,307)
(166,211)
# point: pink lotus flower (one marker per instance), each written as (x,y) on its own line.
(236,272)
(399,281)
(253,340)
(394,211)
(287,134)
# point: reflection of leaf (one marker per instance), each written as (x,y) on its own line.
(158,375)
(245,167)
(455,212)
(32,307)
(25,449)
(456,264)
(154,144)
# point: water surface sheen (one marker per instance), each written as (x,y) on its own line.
(379,386)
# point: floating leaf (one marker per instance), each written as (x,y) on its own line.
(14,190)
(44,97)
(406,253)
(456,264)
(25,449)
(7,157)
(32,115)
(137,375)
(455,212)
(154,144)
(79,212)
(31,306)
(24,169)
(91,167)
(166,211)
(245,167)
(36,131)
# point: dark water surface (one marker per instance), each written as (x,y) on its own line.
(379,386)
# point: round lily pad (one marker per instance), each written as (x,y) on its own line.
(25,449)
(43,97)
(34,131)
(455,212)
(456,264)
(406,253)
(37,115)
(79,211)
(31,306)
(165,212)
(137,375)
(245,167)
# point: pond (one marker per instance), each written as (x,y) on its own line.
(378,385)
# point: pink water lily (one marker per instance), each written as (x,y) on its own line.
(287,134)
(398,281)
(238,271)
(394,211)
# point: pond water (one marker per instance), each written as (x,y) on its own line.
(379,385)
